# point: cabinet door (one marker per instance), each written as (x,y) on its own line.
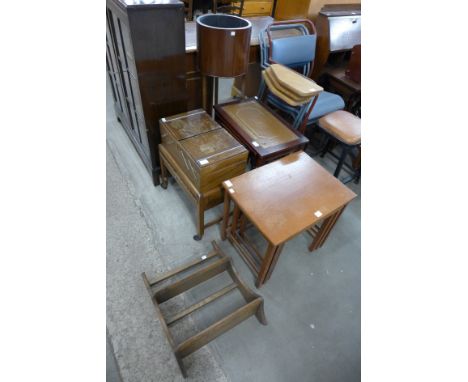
(113,71)
(113,87)
(116,66)
(130,84)
(290,10)
(256,8)
(132,76)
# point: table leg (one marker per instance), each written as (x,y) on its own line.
(227,207)
(274,261)
(207,94)
(325,230)
(243,223)
(163,171)
(357,160)
(216,88)
(266,263)
(200,219)
(235,218)
(255,162)
(244,84)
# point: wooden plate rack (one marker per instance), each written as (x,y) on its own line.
(213,264)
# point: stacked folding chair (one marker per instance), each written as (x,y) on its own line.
(292,44)
(293,89)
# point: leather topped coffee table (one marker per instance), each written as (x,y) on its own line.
(262,132)
(281,200)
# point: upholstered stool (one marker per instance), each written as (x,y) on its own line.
(344,128)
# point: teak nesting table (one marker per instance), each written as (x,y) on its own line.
(282,199)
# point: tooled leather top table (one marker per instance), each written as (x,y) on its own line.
(282,199)
(266,136)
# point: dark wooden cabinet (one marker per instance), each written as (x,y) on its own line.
(145,59)
(291,10)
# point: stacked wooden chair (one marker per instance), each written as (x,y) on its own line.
(292,89)
(292,43)
(340,127)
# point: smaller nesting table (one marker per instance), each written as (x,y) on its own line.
(281,200)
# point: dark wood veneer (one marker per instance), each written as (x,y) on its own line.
(260,155)
(146,66)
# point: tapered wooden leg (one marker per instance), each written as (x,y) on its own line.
(244,84)
(325,230)
(329,228)
(235,218)
(207,94)
(227,207)
(260,314)
(216,89)
(267,259)
(321,232)
(200,219)
(276,255)
(357,160)
(255,162)
(204,93)
(163,172)
(243,223)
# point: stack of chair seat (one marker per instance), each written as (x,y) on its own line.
(290,86)
(293,44)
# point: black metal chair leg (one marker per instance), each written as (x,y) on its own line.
(325,148)
(344,153)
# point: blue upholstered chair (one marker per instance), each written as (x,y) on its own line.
(296,51)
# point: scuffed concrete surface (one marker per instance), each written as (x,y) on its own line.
(312,301)
(141,348)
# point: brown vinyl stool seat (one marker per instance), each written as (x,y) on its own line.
(345,128)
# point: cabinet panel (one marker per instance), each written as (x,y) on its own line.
(113,71)
(138,109)
(125,75)
(131,86)
(119,69)
(256,8)
(290,10)
(145,61)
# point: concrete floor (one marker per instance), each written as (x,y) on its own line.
(112,370)
(312,301)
